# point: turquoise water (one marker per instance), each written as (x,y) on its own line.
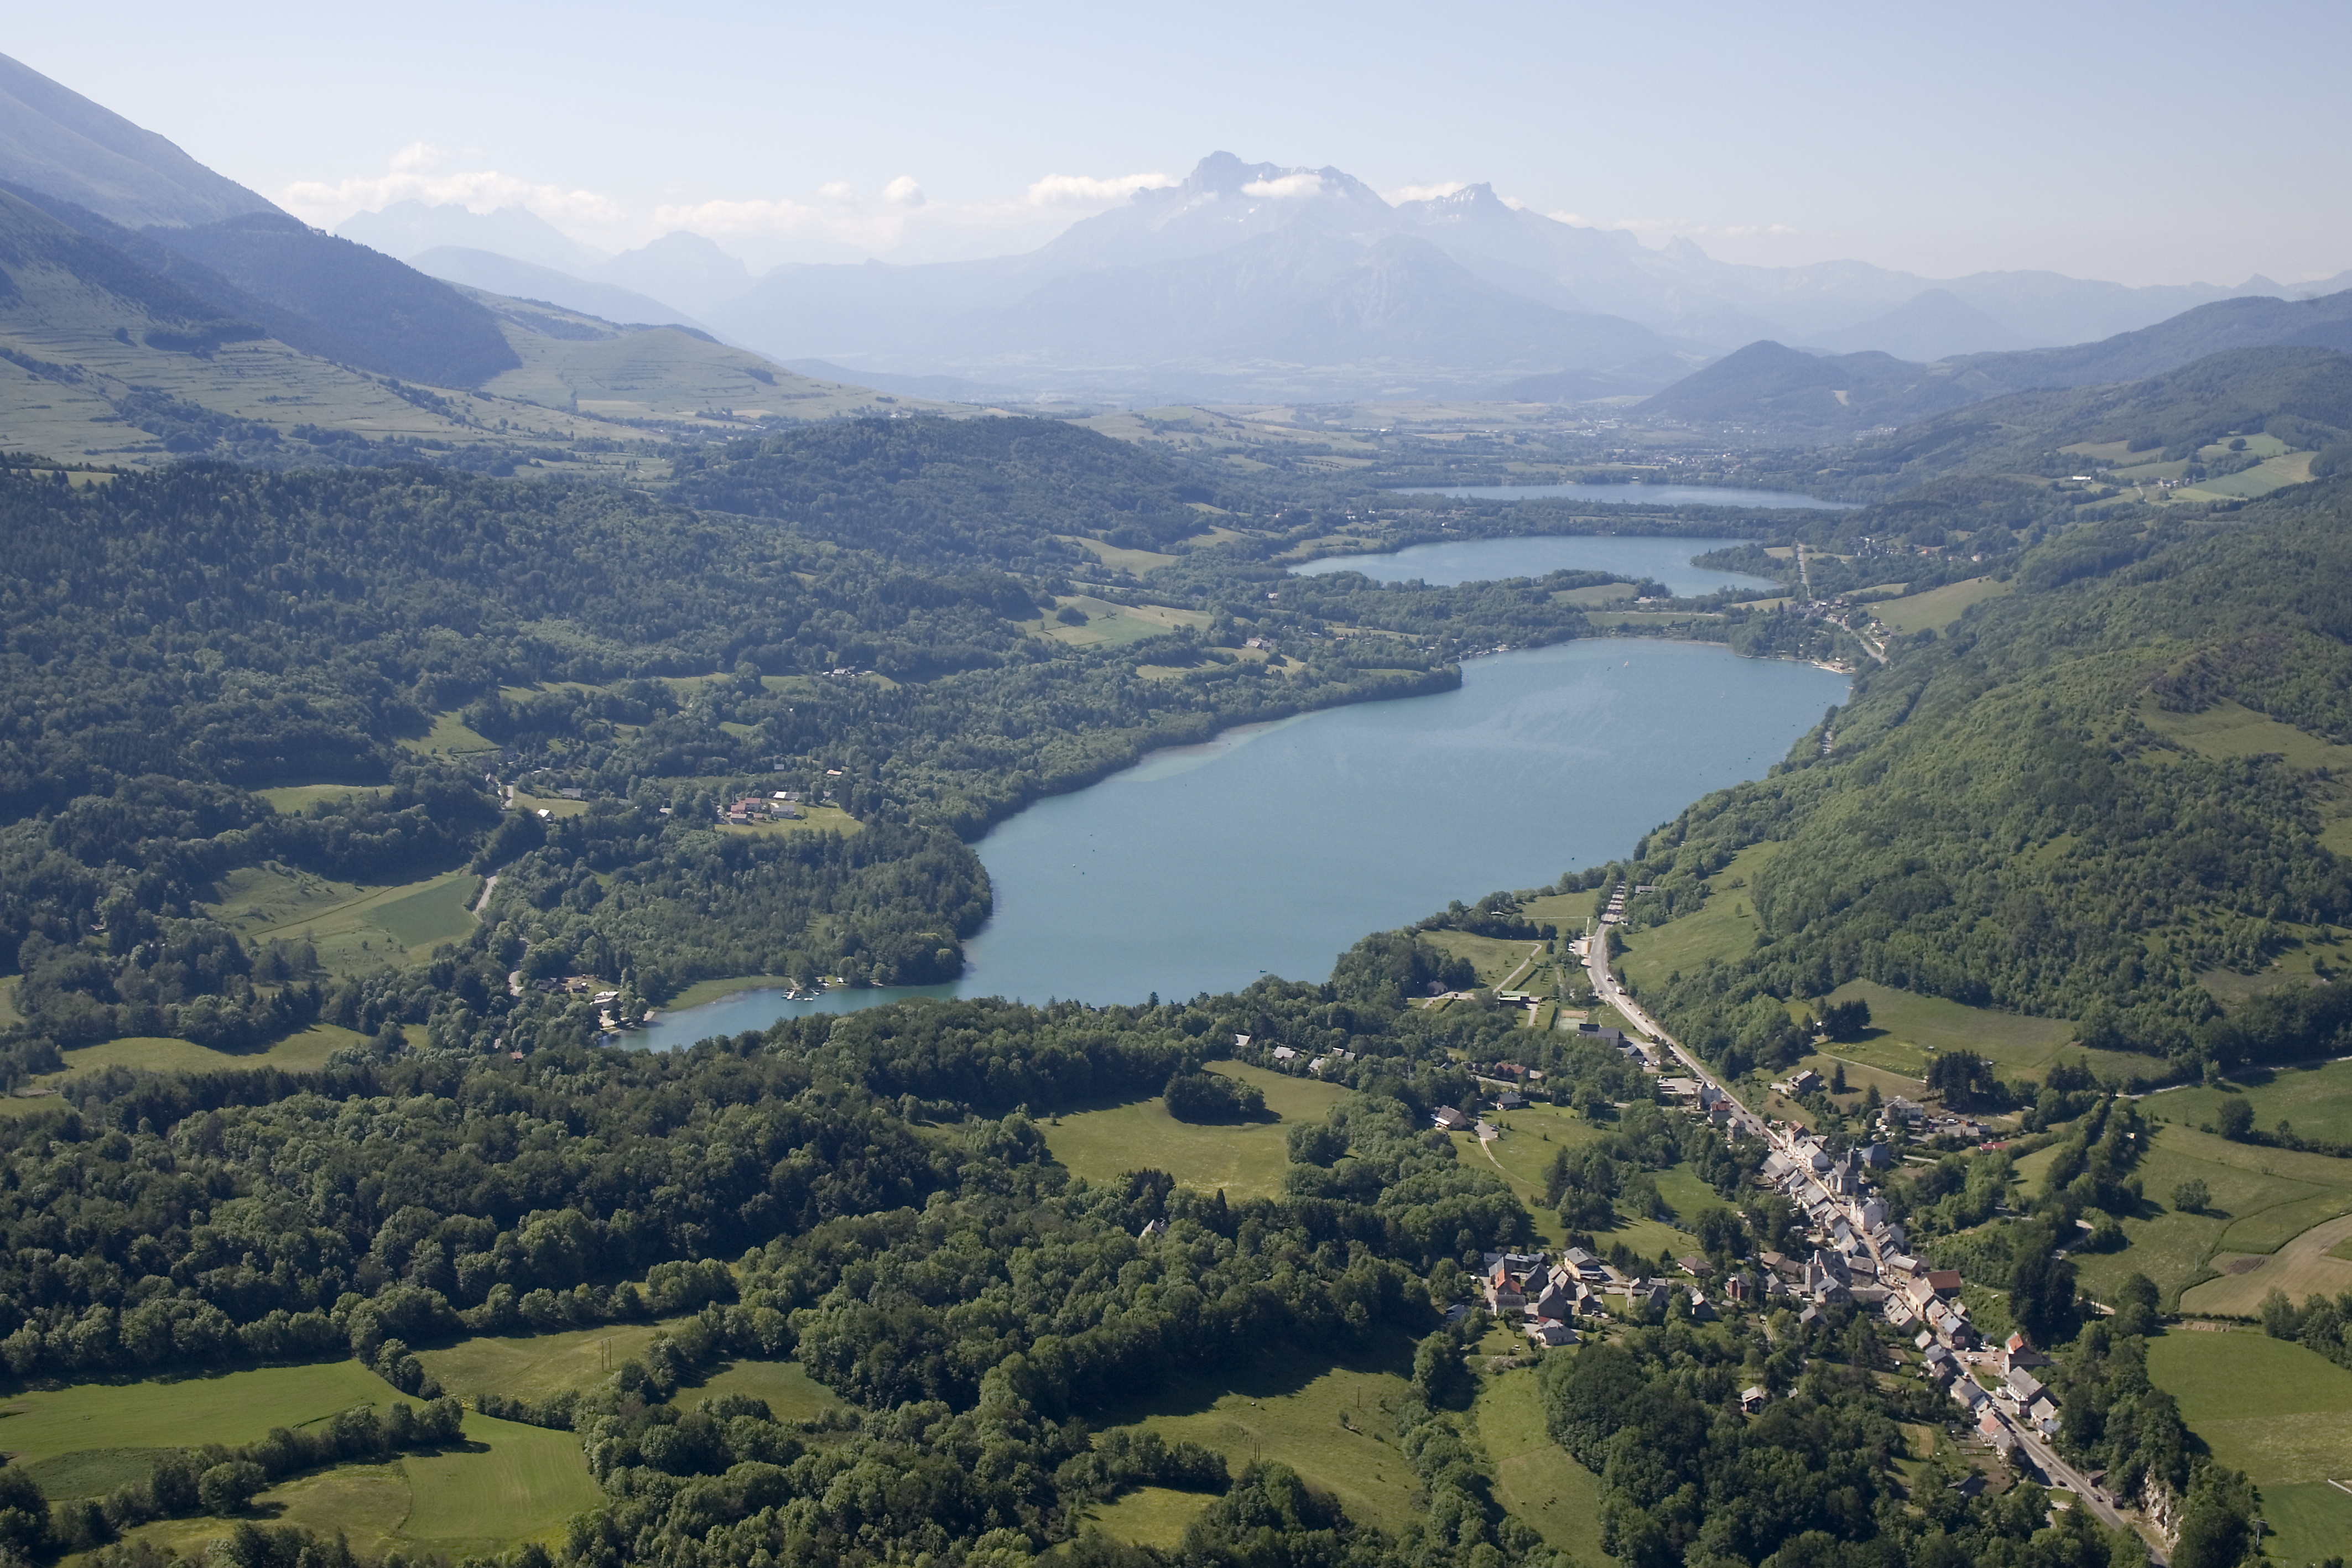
(1484,560)
(1636,494)
(1272,849)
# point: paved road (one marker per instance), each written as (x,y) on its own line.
(1605,986)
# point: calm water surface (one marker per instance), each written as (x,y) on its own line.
(1635,495)
(1483,560)
(1272,849)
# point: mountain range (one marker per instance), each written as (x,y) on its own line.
(1263,281)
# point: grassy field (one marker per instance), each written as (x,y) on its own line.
(1524,1155)
(2228,729)
(296,1053)
(1495,957)
(2317,1100)
(289,800)
(1111,624)
(1138,561)
(45,1425)
(532,1366)
(790,1393)
(1534,1477)
(1245,1161)
(521,1485)
(1724,927)
(1569,911)
(1329,1422)
(450,736)
(2304,1266)
(2279,1412)
(1905,1027)
(1149,1516)
(353,927)
(1938,607)
(2261,1199)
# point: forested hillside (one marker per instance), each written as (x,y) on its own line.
(2005,813)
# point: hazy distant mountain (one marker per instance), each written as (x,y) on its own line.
(1934,325)
(409,229)
(1767,388)
(521,280)
(683,268)
(58,141)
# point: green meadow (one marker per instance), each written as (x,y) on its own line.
(1330,1422)
(1245,1160)
(2278,1412)
(1534,1477)
(352,928)
(1938,607)
(46,1427)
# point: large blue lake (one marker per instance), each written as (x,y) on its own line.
(1635,495)
(1272,849)
(1479,560)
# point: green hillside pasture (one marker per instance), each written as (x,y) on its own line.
(1524,1155)
(365,1503)
(303,1052)
(2271,473)
(524,1486)
(1149,1516)
(2260,1198)
(2304,1268)
(1905,1027)
(1938,607)
(790,1393)
(352,928)
(1114,625)
(1534,1477)
(1569,911)
(450,736)
(1329,1422)
(534,1367)
(234,1408)
(289,800)
(1138,561)
(2228,729)
(1495,957)
(2278,1412)
(1725,927)
(1245,1161)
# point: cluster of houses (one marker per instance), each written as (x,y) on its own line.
(781,807)
(1905,1118)
(2019,1393)
(1545,1298)
(1283,1053)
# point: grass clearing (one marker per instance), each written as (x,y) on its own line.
(1569,911)
(353,927)
(790,1393)
(232,1408)
(1535,1479)
(1905,1027)
(2303,1267)
(2278,1412)
(524,1488)
(289,800)
(1149,1516)
(1329,1422)
(1495,957)
(1938,607)
(304,1052)
(2228,729)
(2260,1199)
(450,737)
(1725,927)
(1104,1142)
(533,1366)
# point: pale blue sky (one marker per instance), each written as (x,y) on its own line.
(2146,142)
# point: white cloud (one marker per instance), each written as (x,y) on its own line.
(415,173)
(1304,183)
(903,192)
(1086,191)
(1404,194)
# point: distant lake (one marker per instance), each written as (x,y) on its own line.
(1273,848)
(1479,560)
(1634,495)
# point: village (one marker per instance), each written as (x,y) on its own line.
(1859,1258)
